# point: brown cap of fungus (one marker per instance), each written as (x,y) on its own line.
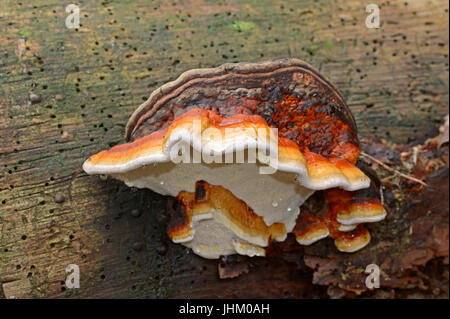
(352,241)
(310,229)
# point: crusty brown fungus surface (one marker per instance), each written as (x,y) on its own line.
(318,149)
(288,94)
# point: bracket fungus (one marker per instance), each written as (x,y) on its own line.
(241,147)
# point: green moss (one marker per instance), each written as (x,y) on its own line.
(242,26)
(24,33)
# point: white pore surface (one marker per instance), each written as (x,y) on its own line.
(275,197)
(212,239)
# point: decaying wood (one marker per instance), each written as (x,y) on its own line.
(87,82)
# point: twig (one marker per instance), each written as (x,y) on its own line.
(437,101)
(393,169)
(387,180)
(381,195)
